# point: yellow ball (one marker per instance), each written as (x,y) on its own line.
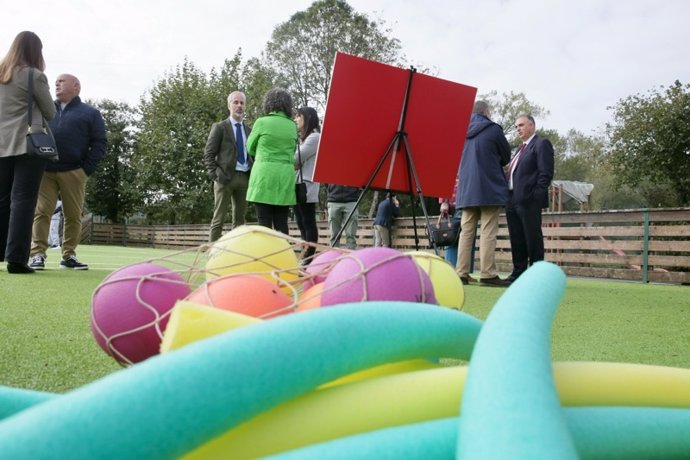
(446,282)
(253,249)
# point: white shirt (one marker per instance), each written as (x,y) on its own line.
(516,159)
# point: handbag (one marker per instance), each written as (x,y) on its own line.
(445,232)
(40,144)
(300,186)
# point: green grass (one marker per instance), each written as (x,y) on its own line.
(46,342)
(612,321)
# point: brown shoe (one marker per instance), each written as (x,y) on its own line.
(494,282)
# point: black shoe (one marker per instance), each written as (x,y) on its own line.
(14,267)
(511,279)
(494,282)
(73,263)
(466,279)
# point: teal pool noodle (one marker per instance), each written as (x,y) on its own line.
(13,400)
(510,407)
(614,433)
(172,403)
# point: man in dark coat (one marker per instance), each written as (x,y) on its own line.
(81,140)
(529,175)
(482,193)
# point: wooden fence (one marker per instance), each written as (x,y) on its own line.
(638,245)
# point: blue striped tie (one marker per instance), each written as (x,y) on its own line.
(240,143)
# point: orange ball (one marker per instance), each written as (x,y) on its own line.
(310,298)
(250,295)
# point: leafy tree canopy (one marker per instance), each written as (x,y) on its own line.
(111,192)
(506,107)
(302,50)
(649,139)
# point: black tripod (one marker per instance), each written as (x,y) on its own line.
(400,138)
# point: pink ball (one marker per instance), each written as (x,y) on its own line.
(377,274)
(321,265)
(131,307)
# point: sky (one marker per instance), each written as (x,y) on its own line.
(574,58)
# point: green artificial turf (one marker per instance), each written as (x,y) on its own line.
(616,321)
(46,342)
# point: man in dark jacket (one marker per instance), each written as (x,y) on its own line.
(80,137)
(341,201)
(387,210)
(482,193)
(529,175)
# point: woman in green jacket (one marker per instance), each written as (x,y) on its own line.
(272,143)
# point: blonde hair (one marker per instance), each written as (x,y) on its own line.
(26,51)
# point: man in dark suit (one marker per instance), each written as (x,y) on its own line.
(228,164)
(529,175)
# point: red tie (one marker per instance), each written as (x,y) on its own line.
(514,161)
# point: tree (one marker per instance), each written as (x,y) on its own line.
(176,116)
(257,81)
(302,50)
(507,106)
(110,192)
(577,155)
(649,140)
(174,125)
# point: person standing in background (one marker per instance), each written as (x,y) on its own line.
(447,211)
(388,209)
(482,193)
(272,143)
(81,140)
(227,163)
(529,175)
(341,201)
(20,173)
(305,159)
(55,220)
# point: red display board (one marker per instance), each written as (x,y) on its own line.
(363,114)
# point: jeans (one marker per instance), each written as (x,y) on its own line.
(337,213)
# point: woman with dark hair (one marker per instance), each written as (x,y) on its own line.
(20,173)
(305,158)
(272,144)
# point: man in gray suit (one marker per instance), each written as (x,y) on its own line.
(228,164)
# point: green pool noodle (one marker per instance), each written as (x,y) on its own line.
(172,403)
(510,407)
(13,400)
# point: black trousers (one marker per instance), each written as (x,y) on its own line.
(305,215)
(20,179)
(526,237)
(273,216)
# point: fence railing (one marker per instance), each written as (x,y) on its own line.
(639,245)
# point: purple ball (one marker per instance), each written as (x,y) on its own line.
(131,307)
(377,274)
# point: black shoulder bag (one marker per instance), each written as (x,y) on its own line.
(300,186)
(40,144)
